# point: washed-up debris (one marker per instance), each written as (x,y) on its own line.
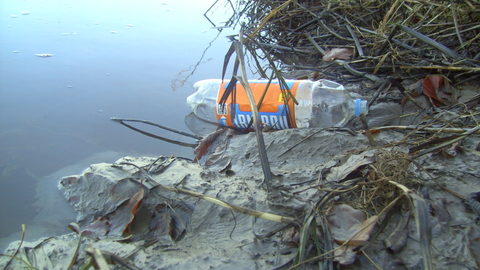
(397,240)
(44,55)
(389,37)
(335,229)
(350,230)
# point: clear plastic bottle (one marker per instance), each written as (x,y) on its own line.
(321,103)
(204,101)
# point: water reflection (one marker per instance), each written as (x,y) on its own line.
(55,111)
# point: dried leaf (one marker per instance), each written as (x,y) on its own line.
(121,192)
(353,162)
(171,219)
(161,223)
(98,228)
(337,53)
(219,154)
(450,152)
(351,226)
(205,143)
(397,240)
(431,88)
(473,199)
(291,238)
(124,215)
(474,247)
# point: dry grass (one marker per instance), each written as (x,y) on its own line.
(389,37)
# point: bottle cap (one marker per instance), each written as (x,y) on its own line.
(360,107)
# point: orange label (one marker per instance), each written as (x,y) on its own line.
(276,110)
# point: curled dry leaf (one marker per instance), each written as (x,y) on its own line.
(354,161)
(438,90)
(171,219)
(350,227)
(124,215)
(337,53)
(473,199)
(397,240)
(117,223)
(291,238)
(205,143)
(450,152)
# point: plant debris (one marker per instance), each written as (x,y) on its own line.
(385,37)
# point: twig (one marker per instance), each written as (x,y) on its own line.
(463,136)
(442,67)
(377,93)
(74,227)
(429,41)
(267,173)
(428,129)
(363,119)
(240,209)
(357,42)
(157,125)
(18,249)
(455,21)
(98,258)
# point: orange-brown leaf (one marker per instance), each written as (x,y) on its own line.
(430,87)
(134,203)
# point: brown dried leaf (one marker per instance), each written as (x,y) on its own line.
(97,229)
(354,161)
(124,215)
(161,223)
(431,88)
(396,241)
(291,237)
(121,192)
(205,143)
(337,53)
(351,226)
(171,219)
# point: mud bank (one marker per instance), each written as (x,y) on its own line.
(124,212)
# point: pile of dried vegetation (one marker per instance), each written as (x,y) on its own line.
(390,37)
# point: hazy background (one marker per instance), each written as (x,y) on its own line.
(55,112)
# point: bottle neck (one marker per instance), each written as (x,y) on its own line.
(360,107)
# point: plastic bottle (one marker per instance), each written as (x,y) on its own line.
(321,103)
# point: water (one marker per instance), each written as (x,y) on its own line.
(110,59)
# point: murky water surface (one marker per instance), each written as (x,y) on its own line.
(109,59)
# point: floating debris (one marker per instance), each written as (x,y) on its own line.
(25,12)
(113,32)
(16,51)
(220,27)
(44,55)
(130,25)
(14,16)
(65,34)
